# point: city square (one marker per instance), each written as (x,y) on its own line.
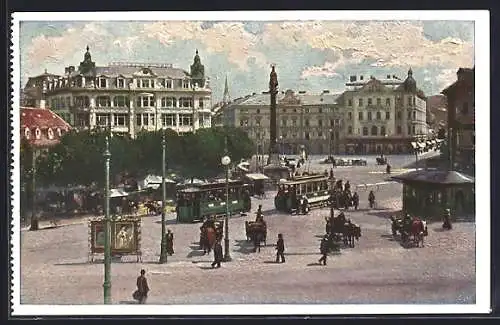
(55,268)
(321,171)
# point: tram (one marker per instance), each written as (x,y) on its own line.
(312,190)
(204,200)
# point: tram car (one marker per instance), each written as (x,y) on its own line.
(311,190)
(209,199)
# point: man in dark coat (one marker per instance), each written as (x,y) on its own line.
(170,242)
(447,221)
(142,288)
(323,248)
(217,254)
(280,249)
(355,200)
(371,199)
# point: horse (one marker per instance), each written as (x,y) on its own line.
(418,231)
(351,232)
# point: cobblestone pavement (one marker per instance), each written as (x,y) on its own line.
(54,267)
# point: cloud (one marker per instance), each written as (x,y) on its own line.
(445,78)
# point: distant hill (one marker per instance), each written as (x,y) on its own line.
(437,111)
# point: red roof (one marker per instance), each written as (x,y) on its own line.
(42,127)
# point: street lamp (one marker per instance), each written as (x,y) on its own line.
(281,144)
(163,250)
(331,143)
(226,160)
(107,231)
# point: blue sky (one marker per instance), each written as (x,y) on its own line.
(309,55)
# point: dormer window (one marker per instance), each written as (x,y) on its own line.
(27,133)
(59,132)
(50,133)
(145,83)
(102,82)
(120,83)
(38,134)
(185,84)
(168,83)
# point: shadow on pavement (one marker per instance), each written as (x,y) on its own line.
(440,229)
(383,213)
(244,247)
(168,222)
(79,263)
(271,262)
(206,268)
(314,264)
(128,302)
(196,262)
(300,254)
(391,237)
(195,253)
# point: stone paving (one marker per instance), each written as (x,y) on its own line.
(54,267)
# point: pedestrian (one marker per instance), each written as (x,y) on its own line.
(280,249)
(141,294)
(371,199)
(388,169)
(323,248)
(170,242)
(447,222)
(217,254)
(355,200)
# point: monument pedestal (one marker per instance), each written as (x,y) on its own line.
(274,170)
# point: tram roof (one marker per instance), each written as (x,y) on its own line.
(212,185)
(304,179)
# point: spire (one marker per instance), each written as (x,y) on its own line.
(88,48)
(226,98)
(410,72)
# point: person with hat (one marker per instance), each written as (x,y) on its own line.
(323,248)
(280,249)
(447,221)
(141,294)
(170,242)
(260,215)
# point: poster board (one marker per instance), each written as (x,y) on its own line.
(125,233)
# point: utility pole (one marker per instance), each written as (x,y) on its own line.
(163,249)
(107,231)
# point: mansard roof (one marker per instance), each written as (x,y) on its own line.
(133,70)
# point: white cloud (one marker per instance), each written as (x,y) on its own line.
(446,77)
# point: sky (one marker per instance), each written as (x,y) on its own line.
(309,55)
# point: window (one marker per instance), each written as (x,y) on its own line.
(81,101)
(243,122)
(379,116)
(369,101)
(306,122)
(413,129)
(360,102)
(306,135)
(121,101)
(200,103)
(101,82)
(409,115)
(185,84)
(349,102)
(320,122)
(414,115)
(120,120)
(103,101)
(284,110)
(382,130)
(294,122)
(306,110)
(398,129)
(257,121)
(320,134)
(145,101)
(349,129)
(102,119)
(320,110)
(138,119)
(185,120)
(144,83)
(465,108)
(168,120)
(360,116)
(337,121)
(398,115)
(387,102)
(374,130)
(145,119)
(68,101)
(409,129)
(120,83)
(168,102)
(379,101)
(168,84)
(410,101)
(258,110)
(365,130)
(185,102)
(369,116)
(283,135)
(349,115)
(387,115)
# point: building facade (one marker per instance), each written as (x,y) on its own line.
(382,115)
(461,119)
(130,97)
(310,121)
(33,92)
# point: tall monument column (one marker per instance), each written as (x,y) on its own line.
(274,170)
(273,91)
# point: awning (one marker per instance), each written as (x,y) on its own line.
(114,192)
(414,145)
(257,176)
(421,145)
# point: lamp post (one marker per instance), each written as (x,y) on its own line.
(226,160)
(163,248)
(330,143)
(281,145)
(193,87)
(34,219)
(107,231)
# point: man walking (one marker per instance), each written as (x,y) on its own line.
(217,254)
(280,249)
(323,248)
(170,242)
(142,288)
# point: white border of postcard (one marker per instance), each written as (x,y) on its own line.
(482,59)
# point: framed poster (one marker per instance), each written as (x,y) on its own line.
(124,236)
(97,236)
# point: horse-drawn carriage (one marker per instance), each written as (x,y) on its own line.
(381,160)
(412,231)
(256,231)
(341,229)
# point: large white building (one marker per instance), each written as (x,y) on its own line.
(370,116)
(130,97)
